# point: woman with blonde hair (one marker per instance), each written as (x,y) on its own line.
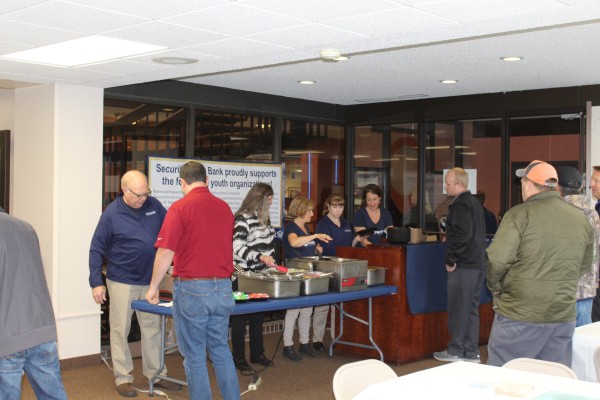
(299,242)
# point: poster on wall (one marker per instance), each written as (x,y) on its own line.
(229,181)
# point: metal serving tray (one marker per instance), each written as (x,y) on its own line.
(316,284)
(375,276)
(276,289)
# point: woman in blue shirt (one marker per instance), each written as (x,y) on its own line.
(342,234)
(299,242)
(371,216)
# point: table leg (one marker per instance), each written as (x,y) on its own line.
(158,376)
(369,323)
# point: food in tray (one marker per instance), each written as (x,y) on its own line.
(294,270)
(314,274)
(241,296)
(258,296)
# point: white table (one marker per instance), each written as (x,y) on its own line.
(470,381)
(585,341)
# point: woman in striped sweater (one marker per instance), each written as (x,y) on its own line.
(253,249)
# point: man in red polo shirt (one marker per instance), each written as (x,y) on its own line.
(197,237)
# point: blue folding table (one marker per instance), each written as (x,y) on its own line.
(337,299)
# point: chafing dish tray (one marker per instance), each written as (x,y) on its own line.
(314,283)
(276,285)
(375,276)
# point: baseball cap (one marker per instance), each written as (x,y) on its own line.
(539,172)
(569,177)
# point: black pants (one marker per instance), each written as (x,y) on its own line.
(596,307)
(255,330)
(464,289)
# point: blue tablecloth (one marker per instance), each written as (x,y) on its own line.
(249,307)
(426,278)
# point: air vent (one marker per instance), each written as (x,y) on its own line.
(395,98)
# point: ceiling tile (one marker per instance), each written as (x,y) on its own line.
(236,20)
(308,36)
(7,6)
(165,34)
(236,48)
(72,17)
(154,9)
(32,35)
(482,10)
(392,22)
(319,10)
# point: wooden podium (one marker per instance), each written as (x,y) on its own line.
(401,335)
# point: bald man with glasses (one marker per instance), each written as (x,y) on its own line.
(125,238)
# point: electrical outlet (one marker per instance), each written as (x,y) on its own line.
(254,384)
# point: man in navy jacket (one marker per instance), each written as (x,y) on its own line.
(125,238)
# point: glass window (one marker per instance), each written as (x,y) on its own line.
(231,136)
(133,130)
(387,155)
(551,138)
(474,145)
(314,156)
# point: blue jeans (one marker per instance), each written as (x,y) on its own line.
(201,311)
(41,365)
(584,311)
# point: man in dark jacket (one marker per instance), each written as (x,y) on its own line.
(542,247)
(465,263)
(28,329)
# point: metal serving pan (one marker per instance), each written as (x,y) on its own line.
(274,287)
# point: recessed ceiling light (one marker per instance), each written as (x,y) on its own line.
(174,60)
(341,58)
(511,58)
(307,82)
(83,51)
(449,81)
(330,54)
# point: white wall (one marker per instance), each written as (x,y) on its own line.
(595,143)
(57,186)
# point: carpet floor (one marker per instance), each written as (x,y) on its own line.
(308,379)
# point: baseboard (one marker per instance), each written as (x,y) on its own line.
(80,362)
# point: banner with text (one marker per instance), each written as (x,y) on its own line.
(229,181)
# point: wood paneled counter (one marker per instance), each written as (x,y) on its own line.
(402,335)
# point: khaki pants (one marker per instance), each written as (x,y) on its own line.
(121,296)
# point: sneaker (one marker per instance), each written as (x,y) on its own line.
(445,356)
(307,349)
(318,346)
(288,352)
(242,364)
(474,359)
(127,390)
(262,360)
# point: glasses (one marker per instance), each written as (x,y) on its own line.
(148,193)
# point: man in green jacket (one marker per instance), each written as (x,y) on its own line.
(540,251)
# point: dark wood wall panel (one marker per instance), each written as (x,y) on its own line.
(402,336)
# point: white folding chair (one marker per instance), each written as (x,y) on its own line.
(350,379)
(597,362)
(542,367)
